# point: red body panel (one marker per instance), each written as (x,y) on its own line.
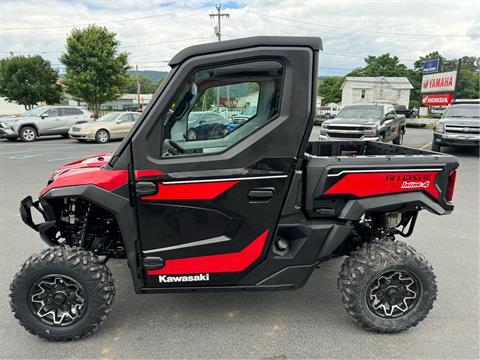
(192,191)
(372,184)
(232,262)
(88,171)
(106,179)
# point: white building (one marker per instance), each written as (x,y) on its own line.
(10,108)
(391,90)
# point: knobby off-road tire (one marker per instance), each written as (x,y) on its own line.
(79,278)
(364,275)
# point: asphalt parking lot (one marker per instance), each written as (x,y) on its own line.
(307,323)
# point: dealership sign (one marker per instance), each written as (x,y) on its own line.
(437,99)
(431,66)
(438,82)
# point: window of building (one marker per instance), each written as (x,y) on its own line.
(219,107)
(399,94)
(362,95)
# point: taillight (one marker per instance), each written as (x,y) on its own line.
(451,185)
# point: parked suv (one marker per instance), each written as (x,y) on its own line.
(43,120)
(459,126)
(365,122)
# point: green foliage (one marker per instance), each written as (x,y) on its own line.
(330,89)
(95,71)
(383,65)
(468,85)
(146,85)
(28,80)
(155,76)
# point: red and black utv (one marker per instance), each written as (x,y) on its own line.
(253,206)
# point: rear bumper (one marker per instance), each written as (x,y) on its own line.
(46,229)
(456,139)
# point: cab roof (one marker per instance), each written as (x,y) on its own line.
(315,43)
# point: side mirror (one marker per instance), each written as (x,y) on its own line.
(390,117)
(43,116)
(437,115)
(118,121)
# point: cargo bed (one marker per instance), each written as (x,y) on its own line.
(343,176)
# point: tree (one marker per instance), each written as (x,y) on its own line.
(29,80)
(146,85)
(95,70)
(383,65)
(330,89)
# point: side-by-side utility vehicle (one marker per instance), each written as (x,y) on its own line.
(256,208)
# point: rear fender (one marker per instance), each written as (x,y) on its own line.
(354,209)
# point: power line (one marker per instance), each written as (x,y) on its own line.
(367,31)
(103,23)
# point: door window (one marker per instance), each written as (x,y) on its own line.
(219,107)
(125,118)
(51,113)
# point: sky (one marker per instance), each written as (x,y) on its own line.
(152,31)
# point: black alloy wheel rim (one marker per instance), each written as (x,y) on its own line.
(393,294)
(57,300)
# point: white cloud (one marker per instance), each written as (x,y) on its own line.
(153,31)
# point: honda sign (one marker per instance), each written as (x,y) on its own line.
(437,100)
(438,82)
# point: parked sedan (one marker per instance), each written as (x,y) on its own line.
(114,125)
(206,125)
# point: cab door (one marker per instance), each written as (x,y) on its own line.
(50,121)
(207,207)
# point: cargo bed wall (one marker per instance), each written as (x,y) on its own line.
(343,175)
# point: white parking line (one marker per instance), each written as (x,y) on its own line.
(70,157)
(426,145)
(44,149)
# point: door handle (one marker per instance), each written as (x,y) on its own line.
(145,188)
(261,194)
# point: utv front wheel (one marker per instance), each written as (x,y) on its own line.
(62,294)
(386,286)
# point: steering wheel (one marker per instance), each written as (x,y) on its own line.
(172,148)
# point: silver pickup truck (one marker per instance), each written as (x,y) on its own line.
(459,126)
(365,122)
(43,120)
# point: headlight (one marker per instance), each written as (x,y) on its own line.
(372,131)
(323,130)
(438,127)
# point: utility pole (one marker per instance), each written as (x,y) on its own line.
(218,32)
(219,15)
(138,86)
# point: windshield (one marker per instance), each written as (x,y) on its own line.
(108,117)
(33,112)
(471,111)
(361,112)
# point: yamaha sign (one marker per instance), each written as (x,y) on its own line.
(439,82)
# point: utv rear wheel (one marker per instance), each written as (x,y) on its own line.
(386,286)
(62,294)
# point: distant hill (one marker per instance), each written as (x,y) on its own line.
(153,75)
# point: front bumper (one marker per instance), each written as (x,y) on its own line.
(46,229)
(326,137)
(81,135)
(456,139)
(7,132)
